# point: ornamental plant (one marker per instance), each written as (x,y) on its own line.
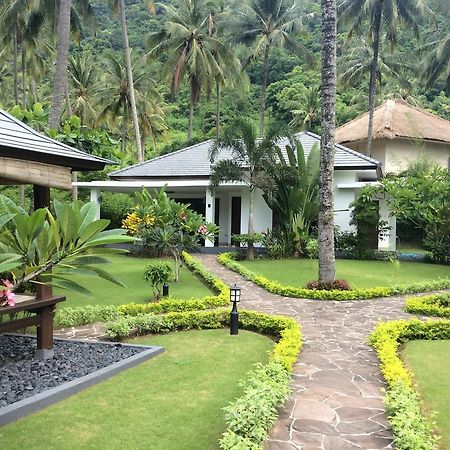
(167,227)
(158,273)
(48,248)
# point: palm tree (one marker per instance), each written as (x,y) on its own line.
(262,25)
(327,263)
(437,61)
(307,109)
(378,16)
(249,155)
(190,48)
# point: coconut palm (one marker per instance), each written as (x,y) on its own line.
(307,109)
(249,156)
(262,25)
(327,263)
(378,16)
(190,49)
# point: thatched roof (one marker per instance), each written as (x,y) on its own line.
(396,119)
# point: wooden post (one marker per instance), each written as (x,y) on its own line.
(41,196)
(45,333)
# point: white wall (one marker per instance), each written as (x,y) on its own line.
(343,198)
(262,214)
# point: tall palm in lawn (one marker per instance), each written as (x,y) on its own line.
(248,158)
(327,263)
(378,16)
(190,49)
(262,25)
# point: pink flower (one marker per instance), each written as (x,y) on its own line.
(202,229)
(10,297)
(7,283)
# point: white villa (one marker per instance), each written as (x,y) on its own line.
(186,175)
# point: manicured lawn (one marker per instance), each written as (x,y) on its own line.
(130,271)
(429,361)
(361,274)
(171,402)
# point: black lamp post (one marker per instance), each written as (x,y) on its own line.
(235,298)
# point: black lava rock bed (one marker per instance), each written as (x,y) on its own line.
(21,376)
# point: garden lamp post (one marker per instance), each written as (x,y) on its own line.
(235,298)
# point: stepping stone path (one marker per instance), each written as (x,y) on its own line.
(337,398)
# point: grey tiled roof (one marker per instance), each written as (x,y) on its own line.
(194,161)
(16,137)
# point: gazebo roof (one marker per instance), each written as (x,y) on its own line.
(396,119)
(21,142)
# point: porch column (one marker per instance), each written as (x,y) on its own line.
(95,197)
(210,201)
(388,241)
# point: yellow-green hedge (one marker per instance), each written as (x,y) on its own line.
(227,259)
(437,305)
(412,431)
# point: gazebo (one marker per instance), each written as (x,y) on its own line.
(29,157)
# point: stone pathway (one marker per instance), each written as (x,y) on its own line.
(337,399)
(91,332)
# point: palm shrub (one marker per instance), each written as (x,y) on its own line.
(48,248)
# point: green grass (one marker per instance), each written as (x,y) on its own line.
(130,271)
(361,274)
(171,402)
(429,361)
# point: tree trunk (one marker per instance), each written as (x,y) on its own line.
(262,99)
(126,48)
(62,52)
(373,73)
(191,113)
(67,96)
(327,263)
(250,247)
(24,79)
(33,90)
(15,68)
(74,188)
(218,99)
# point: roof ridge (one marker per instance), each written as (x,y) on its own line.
(48,138)
(157,158)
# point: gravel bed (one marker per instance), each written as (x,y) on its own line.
(21,376)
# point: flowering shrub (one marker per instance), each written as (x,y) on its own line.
(7,298)
(166,226)
(336,285)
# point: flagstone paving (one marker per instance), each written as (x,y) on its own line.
(336,401)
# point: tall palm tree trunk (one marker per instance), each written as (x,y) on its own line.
(250,247)
(373,74)
(67,97)
(218,101)
(15,68)
(62,52)
(262,99)
(327,263)
(24,79)
(126,49)
(191,110)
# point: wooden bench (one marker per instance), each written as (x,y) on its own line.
(44,311)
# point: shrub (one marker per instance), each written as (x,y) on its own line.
(438,246)
(228,260)
(431,305)
(312,248)
(338,285)
(83,315)
(115,207)
(412,431)
(278,244)
(158,273)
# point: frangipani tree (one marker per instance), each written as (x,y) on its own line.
(48,248)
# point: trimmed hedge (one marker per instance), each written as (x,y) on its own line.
(431,305)
(83,315)
(251,416)
(412,431)
(228,260)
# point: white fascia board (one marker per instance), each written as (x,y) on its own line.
(358,184)
(151,184)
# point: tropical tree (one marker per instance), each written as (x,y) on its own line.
(377,16)
(327,263)
(249,156)
(51,248)
(262,25)
(191,49)
(307,110)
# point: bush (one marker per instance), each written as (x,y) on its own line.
(228,260)
(115,207)
(312,248)
(158,273)
(438,246)
(83,315)
(431,305)
(412,431)
(338,285)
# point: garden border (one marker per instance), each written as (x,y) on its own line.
(411,429)
(35,403)
(428,305)
(227,259)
